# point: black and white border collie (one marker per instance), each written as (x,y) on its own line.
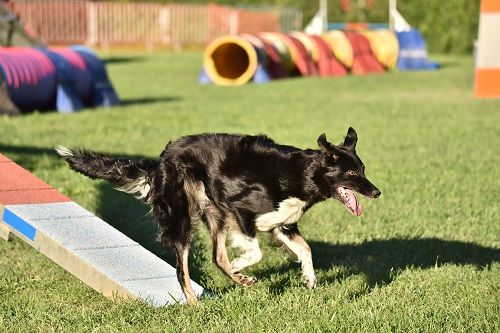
(237,185)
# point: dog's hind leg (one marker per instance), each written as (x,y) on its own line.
(181,254)
(290,237)
(176,229)
(179,238)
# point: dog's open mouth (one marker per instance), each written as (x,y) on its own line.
(350,201)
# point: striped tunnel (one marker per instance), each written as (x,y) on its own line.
(64,78)
(238,59)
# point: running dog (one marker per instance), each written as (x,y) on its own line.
(237,185)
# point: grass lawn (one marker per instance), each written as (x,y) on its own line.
(424,257)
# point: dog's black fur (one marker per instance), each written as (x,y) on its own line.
(231,182)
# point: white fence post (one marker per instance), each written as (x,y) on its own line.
(233,22)
(164,18)
(92,36)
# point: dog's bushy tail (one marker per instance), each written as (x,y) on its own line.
(127,175)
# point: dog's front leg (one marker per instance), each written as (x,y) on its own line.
(222,261)
(251,253)
(218,231)
(290,237)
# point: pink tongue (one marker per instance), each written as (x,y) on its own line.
(352,202)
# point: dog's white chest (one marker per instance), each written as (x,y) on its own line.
(289,212)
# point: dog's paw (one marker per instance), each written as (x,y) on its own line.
(310,281)
(246,281)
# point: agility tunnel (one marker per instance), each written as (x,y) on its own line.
(66,79)
(385,47)
(413,52)
(364,61)
(81,243)
(29,78)
(238,59)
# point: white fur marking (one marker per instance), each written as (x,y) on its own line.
(249,246)
(140,185)
(303,255)
(64,151)
(289,212)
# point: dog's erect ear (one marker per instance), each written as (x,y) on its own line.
(323,144)
(350,139)
(327,147)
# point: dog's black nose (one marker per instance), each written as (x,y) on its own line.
(376,193)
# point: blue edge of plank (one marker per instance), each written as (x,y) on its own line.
(30,232)
(19,224)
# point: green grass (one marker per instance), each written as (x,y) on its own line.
(424,257)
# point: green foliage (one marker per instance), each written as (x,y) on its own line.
(449,26)
(424,257)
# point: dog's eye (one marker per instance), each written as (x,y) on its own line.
(351,173)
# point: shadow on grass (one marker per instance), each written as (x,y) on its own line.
(26,156)
(148,100)
(446,63)
(380,261)
(122,59)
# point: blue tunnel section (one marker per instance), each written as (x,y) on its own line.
(102,91)
(413,52)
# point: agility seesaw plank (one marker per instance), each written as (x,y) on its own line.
(5,233)
(82,243)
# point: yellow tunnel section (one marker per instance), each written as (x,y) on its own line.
(230,60)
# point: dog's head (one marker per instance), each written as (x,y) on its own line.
(344,173)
